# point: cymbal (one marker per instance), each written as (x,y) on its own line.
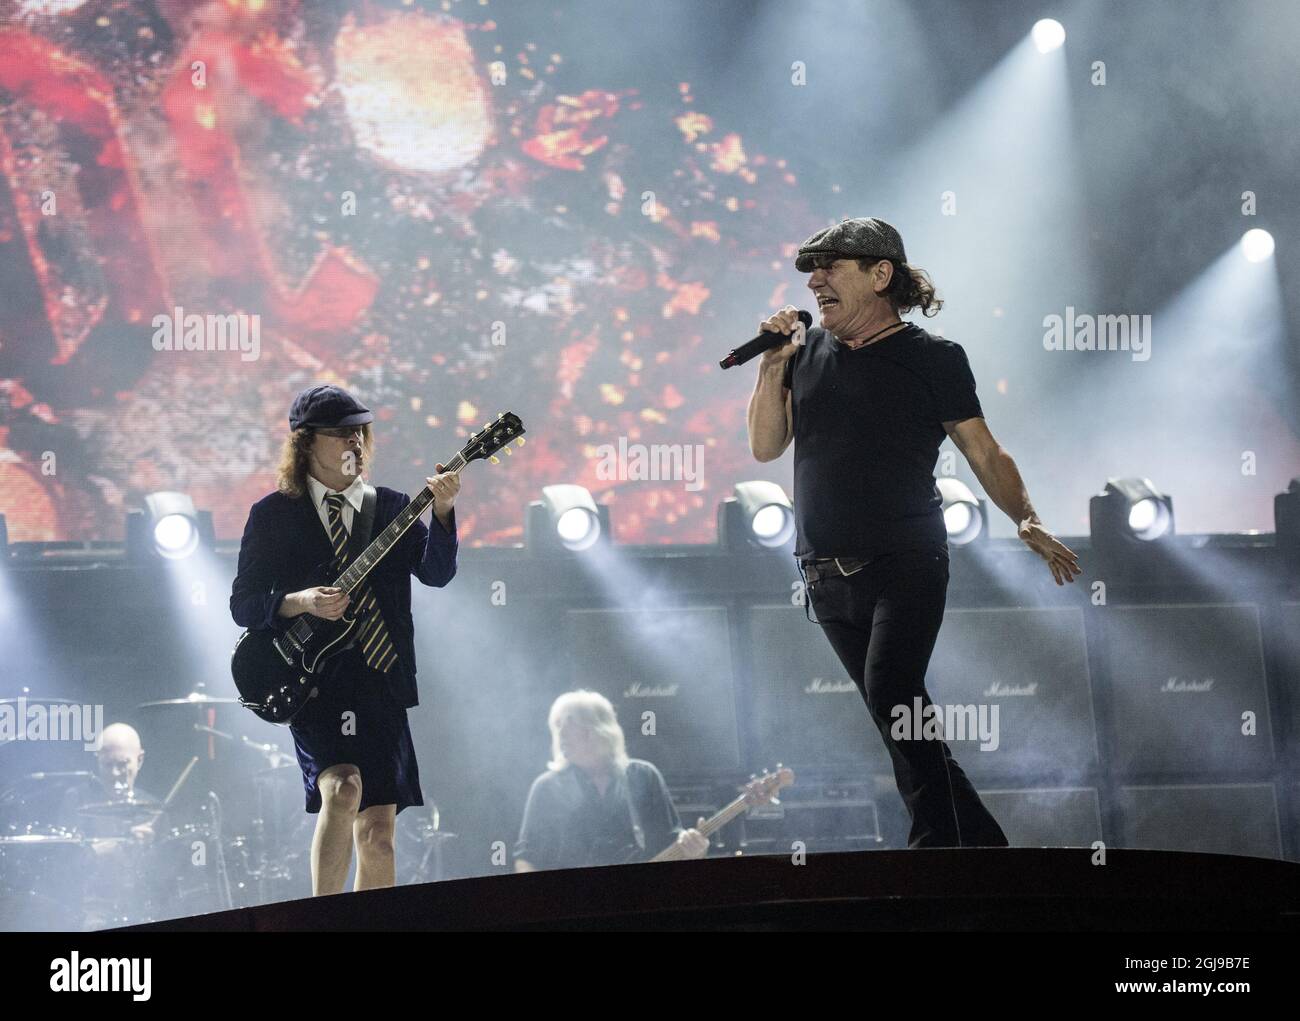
(130,808)
(39,839)
(193,698)
(37,699)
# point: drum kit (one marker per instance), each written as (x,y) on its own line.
(119,857)
(79,851)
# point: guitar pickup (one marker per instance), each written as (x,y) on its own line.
(285,655)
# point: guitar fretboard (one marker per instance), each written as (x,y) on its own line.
(388,538)
(484,443)
(707,828)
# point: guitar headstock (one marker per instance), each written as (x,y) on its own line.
(765,788)
(495,435)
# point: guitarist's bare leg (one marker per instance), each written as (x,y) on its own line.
(331,846)
(374,834)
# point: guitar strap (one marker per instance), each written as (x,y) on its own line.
(359,538)
(362,522)
(637,831)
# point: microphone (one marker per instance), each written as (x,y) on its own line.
(765,341)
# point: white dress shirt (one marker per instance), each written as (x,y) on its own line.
(352,497)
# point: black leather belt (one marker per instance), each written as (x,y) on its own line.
(835,567)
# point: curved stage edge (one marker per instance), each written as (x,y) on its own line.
(949,889)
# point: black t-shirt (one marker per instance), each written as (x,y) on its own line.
(867,430)
(569,824)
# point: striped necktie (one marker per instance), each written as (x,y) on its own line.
(376,647)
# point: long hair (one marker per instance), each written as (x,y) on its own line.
(295,458)
(909,287)
(595,710)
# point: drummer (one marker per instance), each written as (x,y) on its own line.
(118,763)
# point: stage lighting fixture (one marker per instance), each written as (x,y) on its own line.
(965,516)
(1048,35)
(1131,510)
(565,518)
(169,527)
(1132,530)
(768,511)
(758,514)
(1256,245)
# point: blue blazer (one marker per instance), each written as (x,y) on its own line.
(284,541)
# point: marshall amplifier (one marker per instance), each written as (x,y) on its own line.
(1288,664)
(821,817)
(669,675)
(1046,817)
(1016,692)
(502,714)
(1216,818)
(1293,790)
(1187,688)
(805,709)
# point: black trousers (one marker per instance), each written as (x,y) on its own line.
(883,621)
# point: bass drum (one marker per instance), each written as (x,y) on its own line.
(185,873)
(42,871)
(268,875)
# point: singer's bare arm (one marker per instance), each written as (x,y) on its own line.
(771,426)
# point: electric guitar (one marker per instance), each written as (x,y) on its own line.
(756,792)
(278,673)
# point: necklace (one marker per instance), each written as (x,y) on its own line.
(875,335)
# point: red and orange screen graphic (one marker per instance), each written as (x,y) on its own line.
(205,207)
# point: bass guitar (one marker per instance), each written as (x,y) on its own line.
(760,791)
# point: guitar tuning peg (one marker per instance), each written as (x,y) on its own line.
(520,441)
(508,451)
(494,459)
(487,425)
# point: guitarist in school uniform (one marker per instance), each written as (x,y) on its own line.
(594,805)
(352,740)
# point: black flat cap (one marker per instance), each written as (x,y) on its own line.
(327,407)
(863,237)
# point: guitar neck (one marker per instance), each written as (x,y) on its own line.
(710,826)
(388,538)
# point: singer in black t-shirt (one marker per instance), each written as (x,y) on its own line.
(896,392)
(867,399)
